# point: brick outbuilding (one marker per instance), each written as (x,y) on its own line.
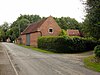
(72,32)
(45,27)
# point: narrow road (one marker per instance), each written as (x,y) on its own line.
(29,62)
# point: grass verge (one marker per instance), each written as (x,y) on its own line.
(91,64)
(36,49)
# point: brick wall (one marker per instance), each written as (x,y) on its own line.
(33,38)
(50,23)
(23,39)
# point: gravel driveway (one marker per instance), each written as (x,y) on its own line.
(29,62)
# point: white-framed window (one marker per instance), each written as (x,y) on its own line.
(50,30)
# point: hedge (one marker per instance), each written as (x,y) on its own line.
(97,51)
(65,44)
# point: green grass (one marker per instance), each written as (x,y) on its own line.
(36,49)
(89,63)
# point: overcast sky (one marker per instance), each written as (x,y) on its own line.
(11,9)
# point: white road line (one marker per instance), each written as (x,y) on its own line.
(11,60)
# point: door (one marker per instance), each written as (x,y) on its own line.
(28,39)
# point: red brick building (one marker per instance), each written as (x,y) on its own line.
(45,27)
(72,32)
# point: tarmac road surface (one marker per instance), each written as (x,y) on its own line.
(5,65)
(29,62)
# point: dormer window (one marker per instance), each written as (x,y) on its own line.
(50,30)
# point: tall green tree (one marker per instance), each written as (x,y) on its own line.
(67,23)
(3,29)
(20,24)
(2,34)
(92,21)
(5,26)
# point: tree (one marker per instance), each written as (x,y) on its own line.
(92,21)
(67,23)
(2,34)
(4,27)
(12,33)
(31,18)
(20,24)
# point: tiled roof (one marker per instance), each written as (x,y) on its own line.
(33,27)
(72,32)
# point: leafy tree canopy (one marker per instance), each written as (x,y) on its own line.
(67,23)
(20,24)
(92,21)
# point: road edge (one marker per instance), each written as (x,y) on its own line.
(10,60)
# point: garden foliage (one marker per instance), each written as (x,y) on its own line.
(97,51)
(65,44)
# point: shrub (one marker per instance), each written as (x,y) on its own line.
(67,44)
(97,51)
(63,33)
(51,43)
(89,43)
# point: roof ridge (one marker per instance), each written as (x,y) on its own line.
(43,20)
(26,28)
